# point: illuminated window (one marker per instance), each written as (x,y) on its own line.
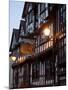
(46,45)
(49,43)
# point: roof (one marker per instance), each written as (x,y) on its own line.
(16,33)
(25,9)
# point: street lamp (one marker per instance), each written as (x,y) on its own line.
(46,31)
(13,58)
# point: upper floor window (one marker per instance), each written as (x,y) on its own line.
(61,19)
(43,12)
(22,30)
(63,14)
(30,30)
(30,17)
(43,7)
(30,7)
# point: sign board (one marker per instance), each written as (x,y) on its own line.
(26,48)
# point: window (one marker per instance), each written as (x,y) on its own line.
(47,70)
(46,12)
(42,38)
(15,77)
(30,17)
(30,30)
(38,40)
(30,7)
(36,50)
(64,52)
(44,46)
(43,6)
(62,18)
(49,43)
(43,12)
(35,71)
(22,31)
(51,6)
(40,48)
(43,16)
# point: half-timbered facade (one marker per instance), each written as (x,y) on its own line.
(46,66)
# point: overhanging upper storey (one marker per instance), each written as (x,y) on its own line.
(14,39)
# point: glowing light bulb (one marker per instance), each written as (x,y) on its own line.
(13,58)
(46,31)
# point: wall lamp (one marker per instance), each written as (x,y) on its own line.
(46,31)
(13,58)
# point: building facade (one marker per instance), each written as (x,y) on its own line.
(13,51)
(46,66)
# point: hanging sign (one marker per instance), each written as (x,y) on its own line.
(26,48)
